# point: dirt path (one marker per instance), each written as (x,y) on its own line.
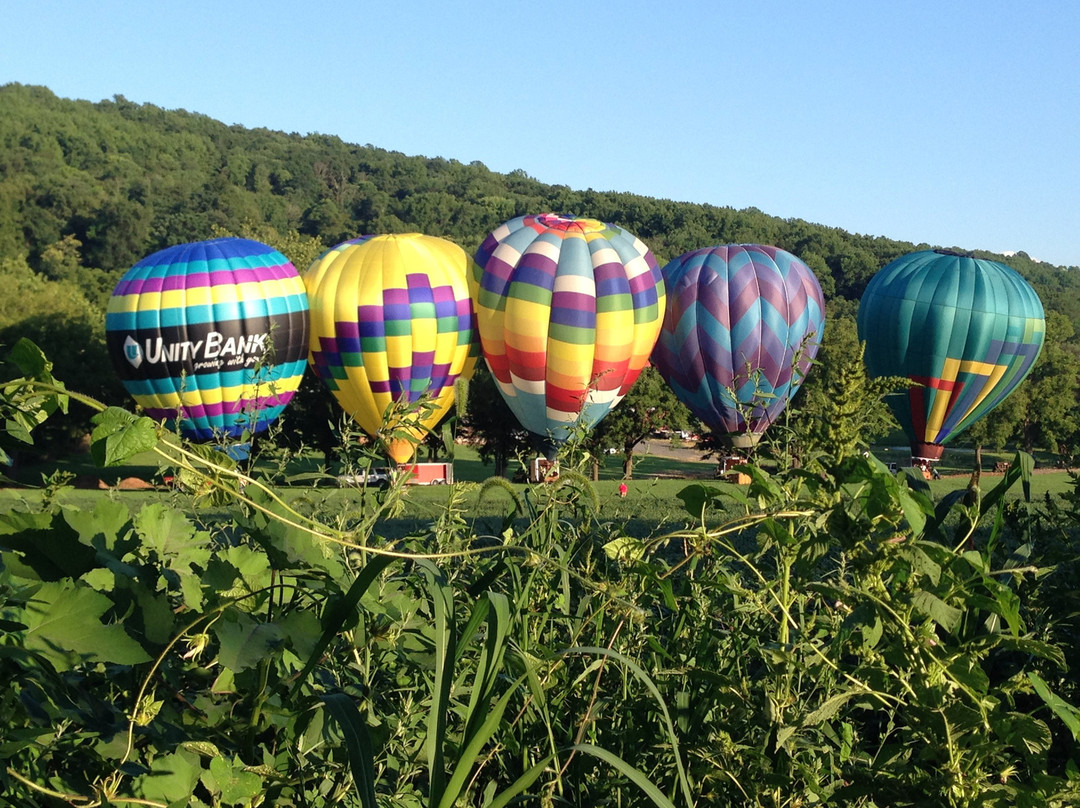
(658,447)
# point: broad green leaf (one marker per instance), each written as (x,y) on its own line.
(625,548)
(46,546)
(762,486)
(102,527)
(1028,732)
(120,435)
(244,642)
(253,567)
(922,563)
(830,707)
(695,498)
(872,631)
(157,615)
(946,616)
(64,625)
(202,748)
(784,736)
(302,629)
(1027,645)
(16,521)
(229,779)
(967,670)
(1008,603)
(171,779)
(171,535)
(29,359)
(1062,709)
(916,509)
(288,544)
(191,590)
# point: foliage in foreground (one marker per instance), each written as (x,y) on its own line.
(840,642)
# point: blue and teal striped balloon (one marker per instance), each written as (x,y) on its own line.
(742,326)
(212,335)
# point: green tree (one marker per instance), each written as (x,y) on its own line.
(1050,419)
(648,406)
(490,424)
(58,317)
(839,409)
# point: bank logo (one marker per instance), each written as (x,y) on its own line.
(214,351)
(132,352)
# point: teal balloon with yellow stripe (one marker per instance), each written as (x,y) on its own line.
(210,336)
(966,330)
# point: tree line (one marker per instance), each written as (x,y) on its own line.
(88,189)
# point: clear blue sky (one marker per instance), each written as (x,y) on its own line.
(952,122)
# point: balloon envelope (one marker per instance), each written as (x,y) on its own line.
(392,322)
(742,326)
(212,332)
(967,329)
(568,311)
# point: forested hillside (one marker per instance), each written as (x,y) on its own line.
(87,189)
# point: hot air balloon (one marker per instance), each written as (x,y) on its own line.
(568,311)
(742,326)
(966,329)
(392,323)
(211,334)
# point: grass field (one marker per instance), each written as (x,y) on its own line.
(651,505)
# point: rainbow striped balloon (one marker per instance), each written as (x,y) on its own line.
(742,326)
(568,311)
(212,334)
(392,321)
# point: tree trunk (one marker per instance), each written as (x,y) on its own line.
(628,466)
(595,469)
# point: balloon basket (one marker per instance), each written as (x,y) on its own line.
(726,471)
(542,470)
(741,440)
(924,456)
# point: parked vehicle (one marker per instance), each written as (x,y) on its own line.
(376,476)
(419,474)
(430,473)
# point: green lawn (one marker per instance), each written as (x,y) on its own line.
(651,505)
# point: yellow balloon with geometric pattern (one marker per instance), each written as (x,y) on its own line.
(391,324)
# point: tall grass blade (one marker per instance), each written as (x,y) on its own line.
(654,691)
(442,602)
(636,776)
(358,744)
(343,610)
(491,659)
(475,745)
(521,784)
